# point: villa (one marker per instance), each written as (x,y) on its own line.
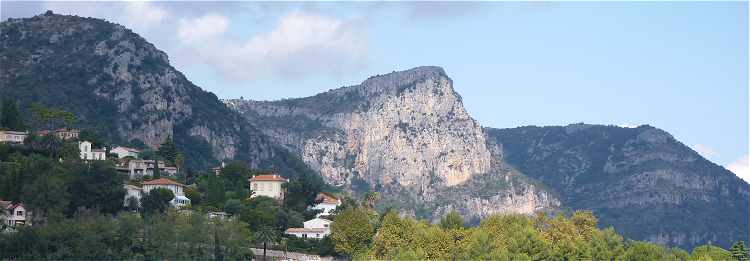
(176,188)
(123,152)
(14,214)
(136,168)
(315,228)
(87,153)
(15,137)
(327,203)
(269,185)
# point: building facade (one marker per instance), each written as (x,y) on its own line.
(176,188)
(326,203)
(87,153)
(132,193)
(268,185)
(136,169)
(64,134)
(14,137)
(315,228)
(123,152)
(14,214)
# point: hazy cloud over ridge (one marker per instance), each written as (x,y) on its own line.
(298,45)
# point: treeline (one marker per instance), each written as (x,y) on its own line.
(128,236)
(363,234)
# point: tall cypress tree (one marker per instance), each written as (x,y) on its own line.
(157,173)
(11,116)
(168,150)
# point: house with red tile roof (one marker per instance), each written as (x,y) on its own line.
(177,189)
(269,185)
(326,203)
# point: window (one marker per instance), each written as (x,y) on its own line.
(19,213)
(304,235)
(325,225)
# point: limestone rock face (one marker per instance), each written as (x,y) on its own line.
(404,128)
(404,134)
(121,86)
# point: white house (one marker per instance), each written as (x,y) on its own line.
(268,185)
(132,192)
(14,214)
(125,152)
(176,188)
(315,228)
(218,215)
(138,168)
(15,137)
(327,203)
(91,154)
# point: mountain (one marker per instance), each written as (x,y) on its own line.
(404,134)
(407,135)
(121,86)
(641,180)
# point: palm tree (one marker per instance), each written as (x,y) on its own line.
(266,235)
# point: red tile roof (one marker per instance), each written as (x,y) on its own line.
(326,198)
(273,177)
(162,181)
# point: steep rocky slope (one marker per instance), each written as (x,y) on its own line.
(405,134)
(640,180)
(120,85)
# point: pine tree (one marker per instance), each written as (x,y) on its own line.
(10,117)
(739,251)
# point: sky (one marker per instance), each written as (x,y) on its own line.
(678,66)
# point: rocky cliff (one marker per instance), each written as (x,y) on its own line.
(120,85)
(641,181)
(405,134)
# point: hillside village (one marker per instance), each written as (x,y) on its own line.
(155,180)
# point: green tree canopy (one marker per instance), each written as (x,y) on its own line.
(10,116)
(156,201)
(352,231)
(96,185)
(452,221)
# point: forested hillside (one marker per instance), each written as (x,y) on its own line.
(641,180)
(122,87)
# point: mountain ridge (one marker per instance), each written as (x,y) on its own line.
(404,134)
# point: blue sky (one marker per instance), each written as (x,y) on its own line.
(682,67)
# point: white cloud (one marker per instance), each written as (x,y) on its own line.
(628,125)
(705,151)
(140,16)
(192,31)
(143,15)
(300,44)
(741,168)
